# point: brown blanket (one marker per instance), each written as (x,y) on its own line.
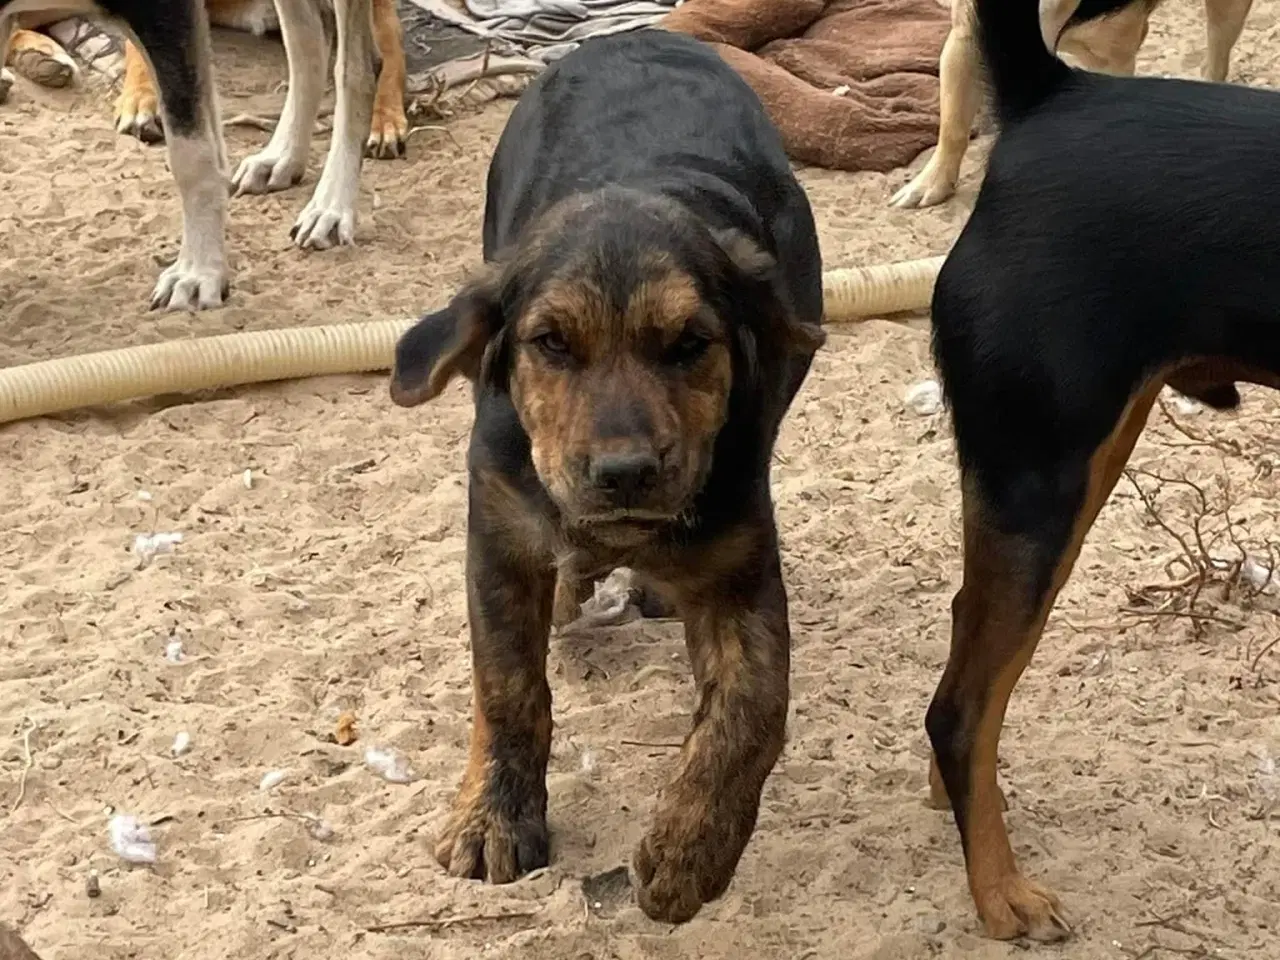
(851,84)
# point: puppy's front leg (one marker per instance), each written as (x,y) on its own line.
(739,643)
(498,827)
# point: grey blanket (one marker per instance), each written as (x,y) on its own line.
(548,29)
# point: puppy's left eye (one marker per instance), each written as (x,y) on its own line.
(688,348)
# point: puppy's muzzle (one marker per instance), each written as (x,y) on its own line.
(625,479)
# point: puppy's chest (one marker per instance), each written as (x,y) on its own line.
(583,559)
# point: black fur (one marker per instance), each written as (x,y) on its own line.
(1124,226)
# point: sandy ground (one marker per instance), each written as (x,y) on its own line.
(1139,748)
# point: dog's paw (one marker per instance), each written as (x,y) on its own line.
(185,286)
(47,64)
(483,843)
(6,83)
(689,856)
(388,132)
(1016,907)
(267,172)
(931,186)
(325,223)
(677,876)
(138,114)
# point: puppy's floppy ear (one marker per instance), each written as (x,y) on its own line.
(760,268)
(447,343)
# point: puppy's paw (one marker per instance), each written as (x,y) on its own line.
(481,842)
(388,132)
(268,172)
(6,83)
(138,114)
(1016,907)
(689,856)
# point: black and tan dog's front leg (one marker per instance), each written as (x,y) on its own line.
(498,828)
(739,644)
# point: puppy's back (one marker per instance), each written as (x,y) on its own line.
(646,108)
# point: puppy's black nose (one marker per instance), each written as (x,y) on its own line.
(624,475)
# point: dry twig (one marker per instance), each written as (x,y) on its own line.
(28,762)
(444,923)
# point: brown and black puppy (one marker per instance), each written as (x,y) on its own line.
(651,303)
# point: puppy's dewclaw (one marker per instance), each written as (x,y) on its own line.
(633,342)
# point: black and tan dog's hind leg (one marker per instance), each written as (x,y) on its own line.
(329,218)
(1023,528)
(178,47)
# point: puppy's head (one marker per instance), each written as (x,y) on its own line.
(620,328)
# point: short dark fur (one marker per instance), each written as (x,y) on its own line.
(1122,239)
(638,183)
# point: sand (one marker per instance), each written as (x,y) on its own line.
(1138,757)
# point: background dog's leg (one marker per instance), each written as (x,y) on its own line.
(6,78)
(960,94)
(390,125)
(330,216)
(739,646)
(284,161)
(180,54)
(498,827)
(1224,19)
(1020,543)
(40,59)
(137,107)
(1110,44)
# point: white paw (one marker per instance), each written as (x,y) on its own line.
(325,222)
(268,172)
(931,186)
(6,82)
(185,286)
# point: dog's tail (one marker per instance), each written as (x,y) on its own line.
(1018,37)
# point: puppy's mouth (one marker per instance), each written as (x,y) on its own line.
(626,516)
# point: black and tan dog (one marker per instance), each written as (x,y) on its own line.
(651,303)
(1057,318)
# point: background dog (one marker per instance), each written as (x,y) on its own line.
(136,108)
(175,38)
(651,304)
(1107,42)
(1056,322)
(329,217)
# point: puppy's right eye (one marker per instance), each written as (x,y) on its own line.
(552,344)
